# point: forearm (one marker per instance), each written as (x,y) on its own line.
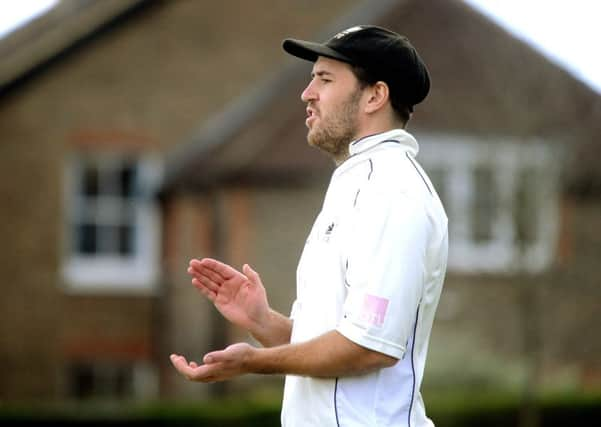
(274,330)
(327,356)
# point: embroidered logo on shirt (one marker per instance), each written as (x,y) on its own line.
(330,229)
(373,310)
(328,232)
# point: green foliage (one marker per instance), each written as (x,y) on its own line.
(448,410)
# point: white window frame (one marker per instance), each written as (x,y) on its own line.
(112,273)
(459,156)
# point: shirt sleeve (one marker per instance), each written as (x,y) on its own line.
(385,258)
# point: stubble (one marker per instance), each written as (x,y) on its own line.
(338,130)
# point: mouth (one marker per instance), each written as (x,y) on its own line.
(311,116)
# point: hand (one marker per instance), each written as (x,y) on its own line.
(240,298)
(218,365)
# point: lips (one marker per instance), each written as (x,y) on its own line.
(311,116)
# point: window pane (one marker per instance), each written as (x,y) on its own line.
(81,380)
(86,238)
(126,240)
(116,239)
(525,212)
(127,176)
(484,204)
(108,238)
(90,180)
(123,381)
(100,380)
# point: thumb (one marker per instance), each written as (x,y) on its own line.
(252,275)
(213,357)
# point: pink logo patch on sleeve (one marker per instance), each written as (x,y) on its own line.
(374,310)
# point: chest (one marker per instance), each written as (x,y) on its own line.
(322,268)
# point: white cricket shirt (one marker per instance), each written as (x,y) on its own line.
(372,269)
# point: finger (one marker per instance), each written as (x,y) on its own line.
(208,277)
(180,363)
(191,371)
(196,269)
(207,282)
(252,275)
(204,283)
(204,290)
(196,266)
(208,274)
(224,270)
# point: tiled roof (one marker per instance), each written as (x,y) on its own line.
(484,83)
(55,31)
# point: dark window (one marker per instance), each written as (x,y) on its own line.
(525,211)
(90,180)
(126,239)
(484,204)
(127,180)
(100,379)
(86,238)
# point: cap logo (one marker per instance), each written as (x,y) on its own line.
(347,31)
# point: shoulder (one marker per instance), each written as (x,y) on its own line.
(396,170)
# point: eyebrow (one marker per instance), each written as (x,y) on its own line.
(321,73)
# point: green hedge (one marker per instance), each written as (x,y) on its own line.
(503,410)
(459,410)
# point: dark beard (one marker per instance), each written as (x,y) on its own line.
(341,129)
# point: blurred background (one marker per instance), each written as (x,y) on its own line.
(137,134)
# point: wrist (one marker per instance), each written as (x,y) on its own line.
(273,329)
(262,325)
(263,361)
(249,361)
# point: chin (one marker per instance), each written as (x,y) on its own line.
(311,139)
(314,143)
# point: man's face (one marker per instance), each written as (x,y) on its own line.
(332,98)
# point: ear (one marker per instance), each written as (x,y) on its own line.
(378,96)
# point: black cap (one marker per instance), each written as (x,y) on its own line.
(383,54)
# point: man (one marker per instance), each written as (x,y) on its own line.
(370,276)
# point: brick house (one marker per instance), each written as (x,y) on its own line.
(92,96)
(198,100)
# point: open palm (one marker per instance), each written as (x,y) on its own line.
(239,297)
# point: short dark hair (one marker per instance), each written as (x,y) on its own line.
(401,110)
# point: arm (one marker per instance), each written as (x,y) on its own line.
(241,299)
(327,356)
(274,330)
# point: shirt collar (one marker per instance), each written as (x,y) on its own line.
(399,136)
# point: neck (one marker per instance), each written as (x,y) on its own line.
(375,125)
(339,158)
(344,154)
(372,125)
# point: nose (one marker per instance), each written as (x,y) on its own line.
(309,94)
